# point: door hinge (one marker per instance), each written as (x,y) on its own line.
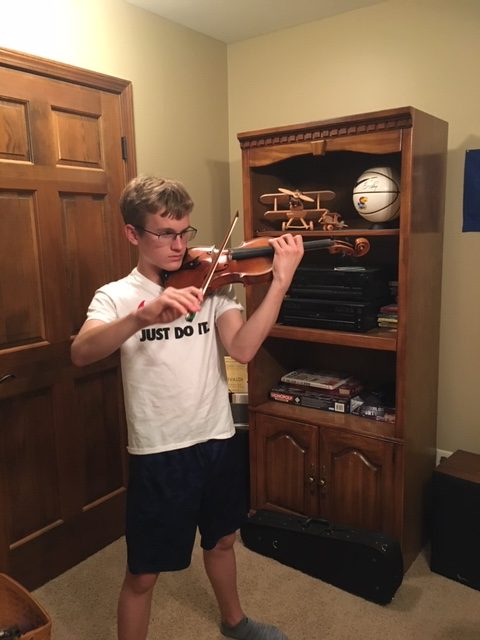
(123,141)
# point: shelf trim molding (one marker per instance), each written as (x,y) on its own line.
(314,131)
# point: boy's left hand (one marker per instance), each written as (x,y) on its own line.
(288,254)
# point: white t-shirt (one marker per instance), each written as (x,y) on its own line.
(174,379)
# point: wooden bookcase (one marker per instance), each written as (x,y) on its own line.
(351,470)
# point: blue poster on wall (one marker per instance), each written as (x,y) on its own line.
(471,191)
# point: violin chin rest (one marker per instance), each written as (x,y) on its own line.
(191,264)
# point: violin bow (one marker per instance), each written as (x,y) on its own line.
(215,262)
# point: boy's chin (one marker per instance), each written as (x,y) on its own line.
(172,265)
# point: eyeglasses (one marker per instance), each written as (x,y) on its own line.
(167,237)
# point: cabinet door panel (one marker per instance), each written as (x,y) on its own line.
(286,466)
(358,481)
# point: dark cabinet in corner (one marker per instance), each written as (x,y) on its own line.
(353,470)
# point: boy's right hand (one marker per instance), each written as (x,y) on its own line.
(98,339)
(170,305)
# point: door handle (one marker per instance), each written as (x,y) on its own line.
(6,377)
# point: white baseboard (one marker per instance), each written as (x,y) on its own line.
(441,453)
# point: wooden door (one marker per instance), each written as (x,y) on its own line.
(63,164)
(357,481)
(286,465)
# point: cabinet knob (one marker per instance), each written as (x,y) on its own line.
(6,377)
(312,481)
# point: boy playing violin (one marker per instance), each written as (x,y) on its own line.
(183,470)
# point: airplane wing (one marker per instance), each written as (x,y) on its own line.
(323,195)
(305,214)
(271,198)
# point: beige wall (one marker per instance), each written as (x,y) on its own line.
(422,53)
(179,83)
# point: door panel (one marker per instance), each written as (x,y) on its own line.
(14,131)
(29,455)
(85,217)
(359,481)
(78,139)
(20,284)
(98,419)
(286,463)
(62,432)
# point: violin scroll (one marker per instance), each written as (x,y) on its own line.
(359,248)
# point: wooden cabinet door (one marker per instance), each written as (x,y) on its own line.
(286,465)
(62,429)
(357,481)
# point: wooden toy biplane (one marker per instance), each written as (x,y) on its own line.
(300,209)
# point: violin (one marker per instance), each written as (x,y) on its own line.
(250,263)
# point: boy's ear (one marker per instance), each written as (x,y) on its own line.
(131,234)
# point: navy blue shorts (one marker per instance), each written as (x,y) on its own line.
(172,493)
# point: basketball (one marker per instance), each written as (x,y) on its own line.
(376,195)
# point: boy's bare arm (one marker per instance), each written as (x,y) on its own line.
(97,339)
(243,339)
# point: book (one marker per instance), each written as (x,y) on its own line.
(318,379)
(387,317)
(347,389)
(236,376)
(389,308)
(309,397)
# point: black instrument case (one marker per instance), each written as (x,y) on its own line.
(364,563)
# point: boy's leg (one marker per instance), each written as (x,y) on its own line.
(160,532)
(134,606)
(220,566)
(221,569)
(224,508)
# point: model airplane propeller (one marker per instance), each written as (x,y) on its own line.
(295,198)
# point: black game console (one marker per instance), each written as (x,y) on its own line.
(330,283)
(342,315)
(338,298)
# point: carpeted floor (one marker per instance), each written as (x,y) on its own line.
(82,603)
